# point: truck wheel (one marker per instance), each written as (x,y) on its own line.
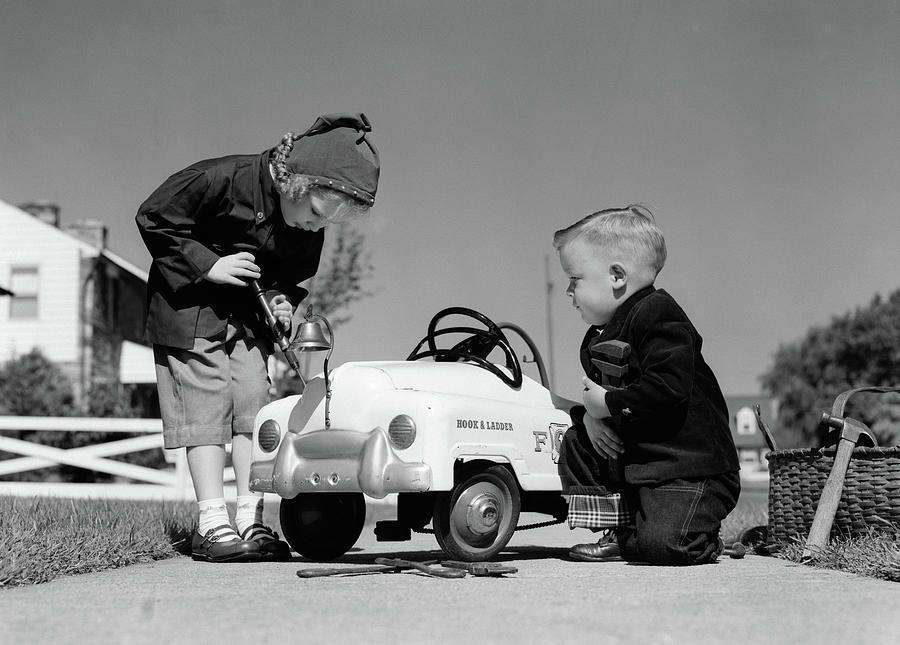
(322,526)
(475,520)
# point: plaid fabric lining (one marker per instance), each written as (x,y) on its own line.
(597,508)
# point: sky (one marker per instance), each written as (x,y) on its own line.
(762,134)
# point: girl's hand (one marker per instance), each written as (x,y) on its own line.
(595,399)
(238,269)
(282,310)
(603,438)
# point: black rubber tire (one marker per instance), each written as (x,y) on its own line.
(475,520)
(322,526)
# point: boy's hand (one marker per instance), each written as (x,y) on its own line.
(603,438)
(282,310)
(238,269)
(595,399)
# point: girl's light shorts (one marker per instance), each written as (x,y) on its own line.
(213,391)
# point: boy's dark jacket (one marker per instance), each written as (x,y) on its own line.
(214,208)
(670,412)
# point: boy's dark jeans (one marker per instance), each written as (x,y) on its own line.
(677,521)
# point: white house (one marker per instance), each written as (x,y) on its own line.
(68,295)
(748,439)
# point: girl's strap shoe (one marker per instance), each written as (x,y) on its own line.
(215,546)
(270,547)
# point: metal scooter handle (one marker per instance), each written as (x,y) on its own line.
(278,331)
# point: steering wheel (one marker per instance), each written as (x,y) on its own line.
(475,348)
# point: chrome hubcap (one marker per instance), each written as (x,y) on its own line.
(477,513)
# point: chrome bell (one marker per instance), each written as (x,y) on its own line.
(311,338)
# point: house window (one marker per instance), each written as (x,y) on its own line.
(746,421)
(23,282)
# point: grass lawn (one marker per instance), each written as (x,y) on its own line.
(875,555)
(752,510)
(45,538)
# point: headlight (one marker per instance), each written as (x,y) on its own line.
(402,431)
(269,435)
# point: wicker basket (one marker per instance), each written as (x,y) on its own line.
(870,499)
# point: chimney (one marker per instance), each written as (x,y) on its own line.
(92,231)
(44,210)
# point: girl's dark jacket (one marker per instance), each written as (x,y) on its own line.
(211,209)
(670,411)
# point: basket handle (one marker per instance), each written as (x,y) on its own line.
(837,408)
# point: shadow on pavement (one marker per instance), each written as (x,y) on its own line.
(510,554)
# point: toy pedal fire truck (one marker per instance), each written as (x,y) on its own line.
(465,442)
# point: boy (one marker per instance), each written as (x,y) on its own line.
(212,228)
(665,431)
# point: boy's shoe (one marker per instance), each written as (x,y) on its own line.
(270,547)
(606,549)
(720,548)
(211,547)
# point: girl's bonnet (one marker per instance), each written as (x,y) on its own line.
(334,153)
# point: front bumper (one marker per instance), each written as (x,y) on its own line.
(339,461)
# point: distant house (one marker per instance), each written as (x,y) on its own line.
(71,297)
(749,441)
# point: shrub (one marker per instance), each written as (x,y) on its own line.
(856,349)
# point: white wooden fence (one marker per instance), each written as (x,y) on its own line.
(172,483)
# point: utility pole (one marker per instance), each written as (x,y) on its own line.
(549,295)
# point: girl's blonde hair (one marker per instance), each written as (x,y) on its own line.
(631,230)
(294,186)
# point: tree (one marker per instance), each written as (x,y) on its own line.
(856,349)
(31,385)
(344,268)
(339,282)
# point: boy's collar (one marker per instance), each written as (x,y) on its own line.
(629,303)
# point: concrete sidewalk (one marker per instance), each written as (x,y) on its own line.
(550,599)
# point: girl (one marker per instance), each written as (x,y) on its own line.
(212,228)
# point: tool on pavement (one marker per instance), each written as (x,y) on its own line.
(736,551)
(480,568)
(852,433)
(435,571)
(755,539)
(349,571)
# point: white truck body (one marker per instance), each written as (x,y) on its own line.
(460,412)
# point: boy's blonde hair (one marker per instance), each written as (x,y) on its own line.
(631,230)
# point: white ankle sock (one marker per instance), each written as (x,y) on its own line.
(249,512)
(214,513)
